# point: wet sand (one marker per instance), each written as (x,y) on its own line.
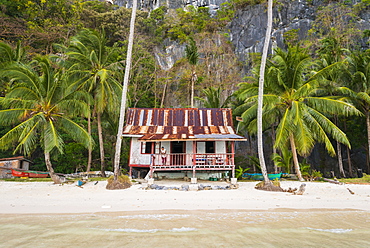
(189,228)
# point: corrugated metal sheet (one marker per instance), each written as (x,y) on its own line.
(180,124)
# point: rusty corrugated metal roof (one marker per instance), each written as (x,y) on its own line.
(180,124)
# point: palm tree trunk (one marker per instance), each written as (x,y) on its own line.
(163,94)
(117,155)
(53,176)
(89,158)
(192,89)
(349,162)
(368,139)
(340,160)
(348,154)
(274,150)
(101,145)
(295,159)
(339,151)
(260,93)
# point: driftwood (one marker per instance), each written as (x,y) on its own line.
(350,191)
(301,190)
(331,181)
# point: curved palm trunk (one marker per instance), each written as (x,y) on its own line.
(339,151)
(89,158)
(260,93)
(53,176)
(340,160)
(295,158)
(117,155)
(101,146)
(349,162)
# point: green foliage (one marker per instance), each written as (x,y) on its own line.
(337,20)
(72,160)
(35,103)
(291,98)
(238,4)
(285,161)
(187,23)
(213,98)
(291,37)
(191,51)
(240,171)
(363,180)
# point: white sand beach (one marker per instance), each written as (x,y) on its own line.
(46,197)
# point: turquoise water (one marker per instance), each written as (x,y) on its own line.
(227,228)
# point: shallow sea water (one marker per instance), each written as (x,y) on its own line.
(221,228)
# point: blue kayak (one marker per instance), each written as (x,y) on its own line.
(259,176)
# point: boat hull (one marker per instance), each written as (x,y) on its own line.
(259,176)
(31,174)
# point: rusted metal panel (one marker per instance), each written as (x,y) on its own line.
(179,123)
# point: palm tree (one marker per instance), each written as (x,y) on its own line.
(124,93)
(97,68)
(9,55)
(192,56)
(332,83)
(213,98)
(292,98)
(260,95)
(359,71)
(41,108)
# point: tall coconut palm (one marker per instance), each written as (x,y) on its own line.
(292,97)
(41,109)
(117,155)
(332,84)
(260,95)
(192,56)
(359,71)
(97,68)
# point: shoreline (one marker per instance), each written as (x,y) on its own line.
(48,198)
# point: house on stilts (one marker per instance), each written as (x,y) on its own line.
(181,142)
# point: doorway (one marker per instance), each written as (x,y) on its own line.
(178,149)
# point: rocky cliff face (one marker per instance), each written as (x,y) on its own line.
(148,5)
(247,30)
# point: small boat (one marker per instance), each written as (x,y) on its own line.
(29,173)
(259,176)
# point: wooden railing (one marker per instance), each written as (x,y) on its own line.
(184,161)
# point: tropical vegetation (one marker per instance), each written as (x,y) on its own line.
(62,71)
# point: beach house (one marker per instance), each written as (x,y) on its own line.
(19,162)
(181,142)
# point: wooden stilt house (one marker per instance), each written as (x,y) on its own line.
(193,140)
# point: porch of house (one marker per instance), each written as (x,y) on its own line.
(192,162)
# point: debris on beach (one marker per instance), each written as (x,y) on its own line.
(186,187)
(350,191)
(301,190)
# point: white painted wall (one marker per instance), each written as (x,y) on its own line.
(201,147)
(220,147)
(136,157)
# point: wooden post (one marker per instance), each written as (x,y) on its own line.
(151,166)
(232,158)
(194,157)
